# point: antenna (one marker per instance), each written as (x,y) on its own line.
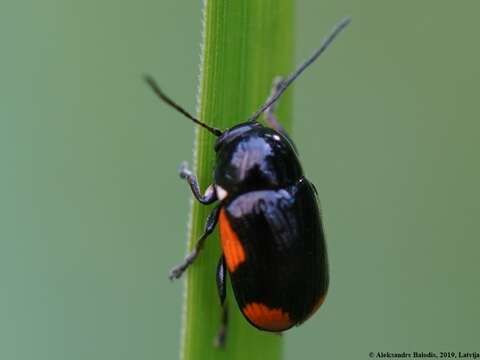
(291,78)
(166,99)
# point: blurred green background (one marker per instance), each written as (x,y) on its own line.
(93,215)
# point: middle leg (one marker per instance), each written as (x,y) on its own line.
(212,220)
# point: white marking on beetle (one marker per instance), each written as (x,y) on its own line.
(221,192)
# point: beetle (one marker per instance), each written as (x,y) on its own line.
(272,238)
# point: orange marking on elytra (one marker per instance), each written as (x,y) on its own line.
(267,318)
(232,247)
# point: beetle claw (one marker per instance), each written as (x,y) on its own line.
(177,271)
(183,171)
(219,340)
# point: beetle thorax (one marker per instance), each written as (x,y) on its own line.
(257,159)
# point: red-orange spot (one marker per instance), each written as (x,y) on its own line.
(232,247)
(267,318)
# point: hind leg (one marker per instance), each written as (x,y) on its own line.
(221,275)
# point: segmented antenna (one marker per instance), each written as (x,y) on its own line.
(166,99)
(291,78)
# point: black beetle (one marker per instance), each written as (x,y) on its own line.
(272,238)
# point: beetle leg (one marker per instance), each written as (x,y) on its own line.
(221,279)
(219,340)
(270,111)
(210,194)
(212,220)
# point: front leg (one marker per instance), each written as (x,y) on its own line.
(270,111)
(210,194)
(270,116)
(212,220)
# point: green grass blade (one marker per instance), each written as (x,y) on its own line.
(245,45)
